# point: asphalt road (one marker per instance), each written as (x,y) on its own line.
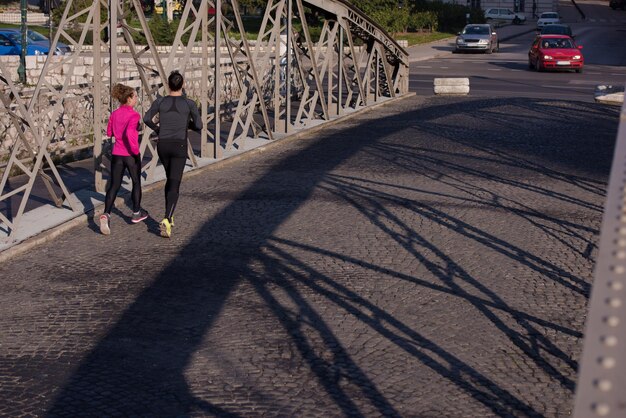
(506,74)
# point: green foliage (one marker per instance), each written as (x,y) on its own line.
(477,15)
(415,38)
(77,6)
(162,30)
(450,17)
(393,20)
(251,5)
(371,6)
(423,22)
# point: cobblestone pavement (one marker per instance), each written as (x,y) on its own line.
(431,258)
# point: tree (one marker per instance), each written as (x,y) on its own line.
(372,6)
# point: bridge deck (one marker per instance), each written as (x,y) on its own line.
(396,264)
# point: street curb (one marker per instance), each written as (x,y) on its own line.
(52,233)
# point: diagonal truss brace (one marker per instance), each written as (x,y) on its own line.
(40,154)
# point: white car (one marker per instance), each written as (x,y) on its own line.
(505,15)
(548,18)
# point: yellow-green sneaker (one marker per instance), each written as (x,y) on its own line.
(166,228)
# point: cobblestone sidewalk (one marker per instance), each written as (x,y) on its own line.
(428,259)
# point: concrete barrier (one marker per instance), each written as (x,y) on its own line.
(609,94)
(452,86)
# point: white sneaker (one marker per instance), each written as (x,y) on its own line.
(105,224)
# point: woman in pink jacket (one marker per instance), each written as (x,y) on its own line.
(123,125)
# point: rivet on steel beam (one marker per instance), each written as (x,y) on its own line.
(601,409)
(604,385)
(619,269)
(607,362)
(615,285)
(621,242)
(611,321)
(620,254)
(622,230)
(614,302)
(609,340)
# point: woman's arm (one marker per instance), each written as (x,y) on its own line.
(196,120)
(110,126)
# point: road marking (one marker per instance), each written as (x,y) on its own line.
(494,69)
(444,68)
(423,66)
(583,82)
(616,74)
(561,87)
(589,72)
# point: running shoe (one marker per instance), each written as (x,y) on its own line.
(166,228)
(105,224)
(139,216)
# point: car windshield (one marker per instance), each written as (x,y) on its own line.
(14,36)
(549,16)
(35,36)
(556,30)
(560,43)
(476,30)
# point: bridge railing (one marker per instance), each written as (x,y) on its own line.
(602,373)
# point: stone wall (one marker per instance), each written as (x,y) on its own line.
(31,18)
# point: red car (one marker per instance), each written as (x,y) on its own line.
(555,52)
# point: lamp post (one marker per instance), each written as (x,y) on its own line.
(21,71)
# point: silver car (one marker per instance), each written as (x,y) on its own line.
(477,37)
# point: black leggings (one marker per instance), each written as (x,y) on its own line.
(119,164)
(173,156)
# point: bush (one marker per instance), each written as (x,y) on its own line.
(162,31)
(450,17)
(423,22)
(393,20)
(477,15)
